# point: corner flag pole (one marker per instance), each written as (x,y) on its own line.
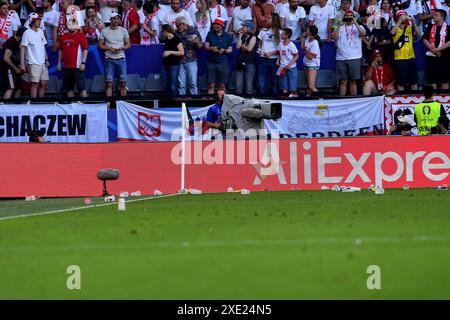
(184,127)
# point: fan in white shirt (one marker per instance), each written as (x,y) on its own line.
(217,11)
(107,8)
(190,7)
(9,23)
(240,14)
(280,5)
(175,13)
(151,25)
(337,4)
(293,17)
(311,59)
(322,15)
(348,37)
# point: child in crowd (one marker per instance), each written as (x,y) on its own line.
(287,64)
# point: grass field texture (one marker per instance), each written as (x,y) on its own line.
(268,245)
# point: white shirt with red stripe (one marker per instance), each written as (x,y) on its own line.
(287,53)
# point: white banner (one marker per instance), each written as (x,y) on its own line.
(330,118)
(136,123)
(76,122)
(301,118)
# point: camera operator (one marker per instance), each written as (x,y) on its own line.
(379,77)
(403,127)
(213,116)
(37,136)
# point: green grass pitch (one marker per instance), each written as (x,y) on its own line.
(267,245)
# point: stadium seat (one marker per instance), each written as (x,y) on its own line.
(53,85)
(153,83)
(326,79)
(134,83)
(98,84)
(301,80)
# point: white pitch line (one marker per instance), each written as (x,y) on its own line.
(225,243)
(84,207)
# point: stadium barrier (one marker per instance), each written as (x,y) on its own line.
(69,170)
(138,61)
(78,122)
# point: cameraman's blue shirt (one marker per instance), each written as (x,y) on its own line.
(213,114)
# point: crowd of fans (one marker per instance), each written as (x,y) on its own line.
(374,43)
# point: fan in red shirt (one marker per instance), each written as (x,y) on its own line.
(379,77)
(131,22)
(73,49)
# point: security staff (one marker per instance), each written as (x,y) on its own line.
(427,113)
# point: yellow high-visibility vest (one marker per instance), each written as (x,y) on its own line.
(427,115)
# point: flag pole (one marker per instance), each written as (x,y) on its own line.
(183,147)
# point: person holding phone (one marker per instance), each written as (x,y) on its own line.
(403,34)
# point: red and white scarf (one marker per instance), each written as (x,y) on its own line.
(443,35)
(6,26)
(146,39)
(126,19)
(189,4)
(62,24)
(432,6)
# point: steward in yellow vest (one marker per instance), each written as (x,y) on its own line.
(427,113)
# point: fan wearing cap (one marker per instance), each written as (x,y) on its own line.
(348,36)
(115,40)
(437,40)
(33,57)
(405,60)
(379,77)
(218,45)
(246,64)
(10,65)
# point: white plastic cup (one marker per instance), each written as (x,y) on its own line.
(157,193)
(230,189)
(351,189)
(124,194)
(30,198)
(196,191)
(245,191)
(336,188)
(110,199)
(122,206)
(136,194)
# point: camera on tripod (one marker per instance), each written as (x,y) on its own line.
(248,114)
